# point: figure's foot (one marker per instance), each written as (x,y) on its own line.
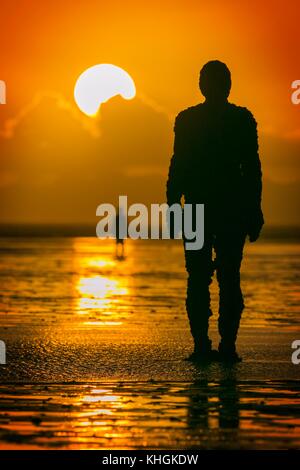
(228,354)
(203,356)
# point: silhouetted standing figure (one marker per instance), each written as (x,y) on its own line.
(216,162)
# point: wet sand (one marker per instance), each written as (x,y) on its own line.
(96,348)
(155,415)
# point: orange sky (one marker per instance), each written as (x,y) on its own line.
(56,165)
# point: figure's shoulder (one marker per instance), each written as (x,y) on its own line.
(241,112)
(188,114)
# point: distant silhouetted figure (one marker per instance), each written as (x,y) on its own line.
(119,239)
(216,162)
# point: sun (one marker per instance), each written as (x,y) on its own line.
(98,84)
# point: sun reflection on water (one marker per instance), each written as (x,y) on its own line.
(99,286)
(100,294)
(97,291)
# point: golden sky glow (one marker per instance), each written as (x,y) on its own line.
(57,166)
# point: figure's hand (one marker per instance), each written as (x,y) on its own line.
(173,229)
(255,224)
(254,234)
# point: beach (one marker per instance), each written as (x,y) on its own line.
(96,347)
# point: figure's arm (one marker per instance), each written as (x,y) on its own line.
(252,177)
(174,182)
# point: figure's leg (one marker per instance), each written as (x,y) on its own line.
(200,270)
(121,251)
(229,253)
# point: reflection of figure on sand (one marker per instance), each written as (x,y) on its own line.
(213,406)
(120,241)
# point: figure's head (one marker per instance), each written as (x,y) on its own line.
(215,81)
